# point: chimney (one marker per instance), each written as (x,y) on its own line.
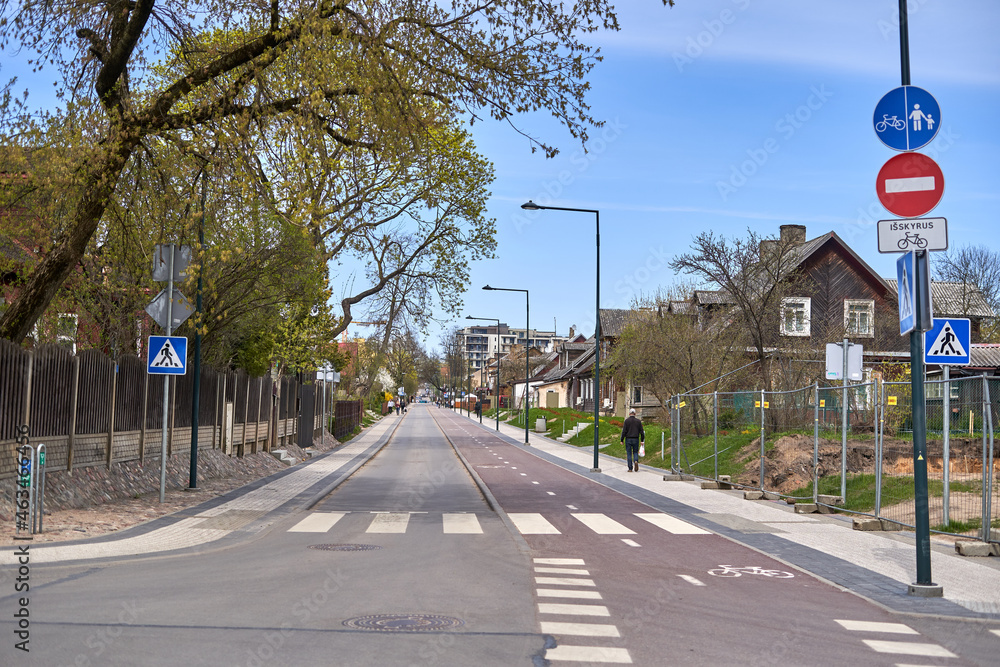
(766,247)
(793,234)
(572,331)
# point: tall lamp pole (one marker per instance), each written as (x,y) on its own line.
(496,389)
(532,206)
(527,334)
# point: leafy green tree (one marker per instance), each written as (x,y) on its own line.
(269,80)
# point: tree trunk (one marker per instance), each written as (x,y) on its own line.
(43,284)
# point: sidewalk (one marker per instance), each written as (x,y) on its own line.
(246,510)
(875,565)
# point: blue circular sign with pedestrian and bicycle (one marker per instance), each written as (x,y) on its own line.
(907,118)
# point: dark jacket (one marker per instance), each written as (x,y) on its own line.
(632,428)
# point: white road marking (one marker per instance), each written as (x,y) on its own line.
(672,524)
(523,474)
(461,523)
(560,570)
(996,632)
(913,184)
(559,561)
(631,543)
(512,467)
(389,522)
(559,593)
(534,482)
(691,580)
(872,626)
(318,522)
(589,654)
(573,609)
(909,648)
(580,629)
(572,507)
(564,581)
(602,524)
(533,524)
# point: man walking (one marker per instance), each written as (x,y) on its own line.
(632,435)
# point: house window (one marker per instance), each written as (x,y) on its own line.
(935,390)
(859,315)
(795,312)
(637,394)
(66,331)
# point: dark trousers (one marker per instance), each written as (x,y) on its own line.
(632,451)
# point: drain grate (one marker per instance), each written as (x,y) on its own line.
(345,547)
(404,622)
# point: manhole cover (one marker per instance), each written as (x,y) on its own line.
(404,622)
(345,547)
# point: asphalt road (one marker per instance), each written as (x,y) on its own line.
(569,569)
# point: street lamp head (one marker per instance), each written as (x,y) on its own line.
(531,206)
(487,287)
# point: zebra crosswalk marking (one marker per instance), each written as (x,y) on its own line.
(559,561)
(589,654)
(318,522)
(533,524)
(559,593)
(671,524)
(389,522)
(573,609)
(461,524)
(579,629)
(909,648)
(603,524)
(872,626)
(560,570)
(564,581)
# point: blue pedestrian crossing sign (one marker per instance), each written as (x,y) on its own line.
(948,342)
(906,281)
(166,355)
(907,118)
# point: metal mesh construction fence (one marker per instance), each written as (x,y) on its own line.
(851,447)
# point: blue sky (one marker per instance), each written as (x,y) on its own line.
(723,115)
(690,94)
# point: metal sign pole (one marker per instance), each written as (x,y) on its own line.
(843,430)
(922,513)
(166,378)
(946,428)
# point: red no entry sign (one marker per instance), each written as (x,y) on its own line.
(910,185)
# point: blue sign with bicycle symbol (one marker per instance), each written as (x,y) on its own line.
(907,118)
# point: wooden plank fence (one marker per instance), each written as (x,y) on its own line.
(90,410)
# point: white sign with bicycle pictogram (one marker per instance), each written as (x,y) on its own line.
(912,234)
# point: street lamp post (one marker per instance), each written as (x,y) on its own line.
(496,407)
(527,334)
(532,206)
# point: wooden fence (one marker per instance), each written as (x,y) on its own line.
(91,410)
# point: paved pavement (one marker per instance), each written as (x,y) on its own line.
(878,566)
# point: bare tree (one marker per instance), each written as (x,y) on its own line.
(755,273)
(977,269)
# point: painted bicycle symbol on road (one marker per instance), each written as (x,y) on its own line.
(730,571)
(889,121)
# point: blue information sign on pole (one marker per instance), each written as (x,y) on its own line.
(166,355)
(948,342)
(907,118)
(906,282)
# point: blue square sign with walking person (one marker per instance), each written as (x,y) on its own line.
(166,355)
(948,343)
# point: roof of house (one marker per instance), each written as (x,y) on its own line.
(613,321)
(955,299)
(985,355)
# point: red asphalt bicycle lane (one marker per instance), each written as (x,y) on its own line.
(653,591)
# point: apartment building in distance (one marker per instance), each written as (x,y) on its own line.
(481,342)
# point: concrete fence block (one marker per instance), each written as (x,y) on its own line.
(753,495)
(867,523)
(806,508)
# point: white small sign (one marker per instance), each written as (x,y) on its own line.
(912,234)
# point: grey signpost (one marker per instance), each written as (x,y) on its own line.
(169,263)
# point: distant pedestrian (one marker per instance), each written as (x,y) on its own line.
(632,435)
(390,405)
